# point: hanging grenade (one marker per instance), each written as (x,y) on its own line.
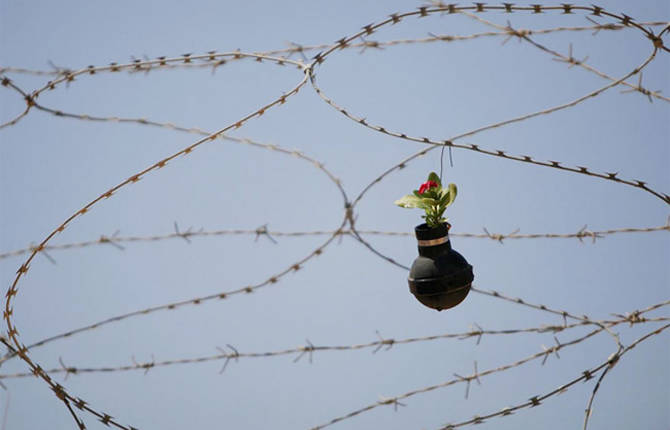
(440,277)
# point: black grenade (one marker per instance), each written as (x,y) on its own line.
(440,277)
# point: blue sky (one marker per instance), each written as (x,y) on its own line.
(50,167)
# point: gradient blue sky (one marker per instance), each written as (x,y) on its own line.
(50,167)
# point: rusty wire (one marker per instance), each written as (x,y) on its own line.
(475,332)
(214,60)
(116,241)
(234,354)
(532,402)
(449,142)
(523,34)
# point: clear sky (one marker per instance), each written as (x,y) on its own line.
(50,167)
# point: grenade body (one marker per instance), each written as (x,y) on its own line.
(440,277)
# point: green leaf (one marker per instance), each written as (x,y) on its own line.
(410,201)
(452,192)
(432,194)
(432,223)
(448,195)
(427,201)
(416,193)
(445,196)
(433,177)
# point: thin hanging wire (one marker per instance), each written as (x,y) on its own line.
(451,160)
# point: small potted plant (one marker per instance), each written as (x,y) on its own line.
(440,277)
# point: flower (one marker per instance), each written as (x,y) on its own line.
(432,198)
(427,186)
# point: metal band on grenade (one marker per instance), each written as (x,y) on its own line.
(434,242)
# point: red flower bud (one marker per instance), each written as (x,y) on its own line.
(427,186)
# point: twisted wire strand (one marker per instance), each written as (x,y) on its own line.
(309,348)
(6,82)
(581,234)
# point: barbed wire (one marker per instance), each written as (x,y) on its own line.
(233,354)
(249,289)
(12,332)
(115,240)
(214,60)
(472,147)
(6,82)
(310,348)
(145,66)
(569,59)
(476,375)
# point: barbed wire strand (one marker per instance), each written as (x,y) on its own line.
(581,234)
(6,82)
(377,345)
(632,318)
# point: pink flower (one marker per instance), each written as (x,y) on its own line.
(427,186)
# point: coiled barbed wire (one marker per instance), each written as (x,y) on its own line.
(347,226)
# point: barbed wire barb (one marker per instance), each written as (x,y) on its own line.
(307,349)
(234,356)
